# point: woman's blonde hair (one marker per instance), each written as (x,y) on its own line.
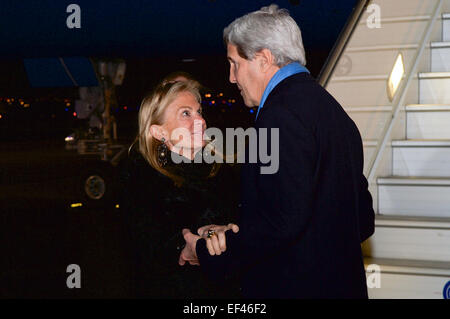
(152,111)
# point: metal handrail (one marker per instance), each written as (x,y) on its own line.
(341,43)
(401,94)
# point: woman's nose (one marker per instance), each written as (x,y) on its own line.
(199,120)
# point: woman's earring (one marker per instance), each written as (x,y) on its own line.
(162,153)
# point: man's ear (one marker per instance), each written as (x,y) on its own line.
(157,131)
(266,59)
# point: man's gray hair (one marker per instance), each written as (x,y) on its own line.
(269,28)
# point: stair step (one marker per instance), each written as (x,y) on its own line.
(414,196)
(446,27)
(440,45)
(428,121)
(429,158)
(434,75)
(433,87)
(411,266)
(413,221)
(408,279)
(428,108)
(421,143)
(440,56)
(409,238)
(414,181)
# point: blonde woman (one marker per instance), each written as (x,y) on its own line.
(162,196)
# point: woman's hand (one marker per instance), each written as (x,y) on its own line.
(188,253)
(216,243)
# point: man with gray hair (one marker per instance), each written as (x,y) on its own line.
(301,227)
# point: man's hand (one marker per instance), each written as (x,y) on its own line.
(188,254)
(217,243)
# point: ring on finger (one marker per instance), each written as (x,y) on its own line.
(211,233)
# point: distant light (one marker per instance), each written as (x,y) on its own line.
(74,113)
(188,60)
(233,100)
(76,205)
(21,102)
(213,102)
(66,109)
(207,95)
(69,138)
(220,94)
(252,111)
(67,104)
(26,105)
(117,206)
(1,116)
(395,77)
(125,108)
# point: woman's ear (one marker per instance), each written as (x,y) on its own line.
(157,131)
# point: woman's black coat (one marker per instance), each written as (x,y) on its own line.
(156,211)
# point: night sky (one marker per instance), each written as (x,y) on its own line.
(31,28)
(153,37)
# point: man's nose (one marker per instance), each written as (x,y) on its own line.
(232,77)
